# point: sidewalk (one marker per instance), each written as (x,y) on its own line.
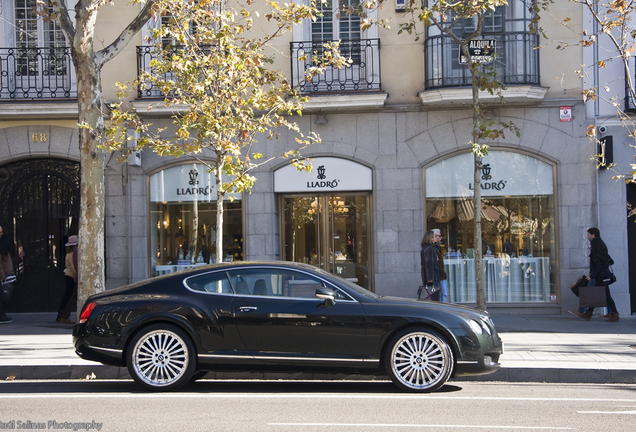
(538,348)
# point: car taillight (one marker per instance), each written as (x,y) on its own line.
(87,312)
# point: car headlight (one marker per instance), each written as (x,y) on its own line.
(476,326)
(486,324)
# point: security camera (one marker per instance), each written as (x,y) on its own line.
(602,129)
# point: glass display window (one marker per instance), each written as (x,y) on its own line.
(183,220)
(518,226)
(325,217)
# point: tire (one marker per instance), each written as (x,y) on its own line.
(161,357)
(419,359)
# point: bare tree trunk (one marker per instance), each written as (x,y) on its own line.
(477,234)
(193,243)
(219,207)
(91,274)
(477,238)
(80,35)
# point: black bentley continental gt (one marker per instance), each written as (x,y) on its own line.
(280,316)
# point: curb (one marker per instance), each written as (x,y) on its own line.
(511,375)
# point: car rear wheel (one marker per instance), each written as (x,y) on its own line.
(161,357)
(419,359)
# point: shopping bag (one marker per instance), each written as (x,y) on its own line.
(592,296)
(581,281)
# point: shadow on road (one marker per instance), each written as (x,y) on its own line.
(209,386)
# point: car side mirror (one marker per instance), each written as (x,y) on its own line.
(328,295)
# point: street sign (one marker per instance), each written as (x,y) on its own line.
(565,114)
(480,51)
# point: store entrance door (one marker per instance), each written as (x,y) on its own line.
(330,231)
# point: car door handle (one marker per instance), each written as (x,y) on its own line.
(246,308)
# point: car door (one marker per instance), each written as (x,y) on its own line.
(220,339)
(280,318)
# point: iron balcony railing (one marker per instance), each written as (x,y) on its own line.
(516,60)
(146,54)
(36,73)
(362,75)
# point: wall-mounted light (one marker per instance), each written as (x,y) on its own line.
(321,119)
(135,157)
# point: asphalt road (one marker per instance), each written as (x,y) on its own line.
(316,406)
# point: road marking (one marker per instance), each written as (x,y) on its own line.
(296,396)
(607,412)
(436,426)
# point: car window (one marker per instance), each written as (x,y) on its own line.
(274,282)
(216,282)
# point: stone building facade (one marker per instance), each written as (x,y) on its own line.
(392,164)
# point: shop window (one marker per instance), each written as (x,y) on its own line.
(518,226)
(183,220)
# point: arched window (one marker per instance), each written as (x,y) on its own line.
(183,220)
(518,225)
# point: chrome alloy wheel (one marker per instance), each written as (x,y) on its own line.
(160,358)
(420,360)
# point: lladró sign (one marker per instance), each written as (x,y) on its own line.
(327,174)
(190,182)
(503,173)
(486,183)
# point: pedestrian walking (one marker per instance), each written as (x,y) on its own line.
(6,272)
(443,296)
(600,261)
(70,273)
(429,262)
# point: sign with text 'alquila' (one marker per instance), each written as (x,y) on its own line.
(480,51)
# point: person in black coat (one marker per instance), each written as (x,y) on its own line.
(428,259)
(600,260)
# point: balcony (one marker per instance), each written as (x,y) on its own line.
(363,75)
(356,86)
(516,62)
(36,74)
(147,90)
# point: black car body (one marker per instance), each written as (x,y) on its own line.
(280,316)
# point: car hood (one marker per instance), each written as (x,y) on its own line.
(446,307)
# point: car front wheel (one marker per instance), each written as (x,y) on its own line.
(419,359)
(161,357)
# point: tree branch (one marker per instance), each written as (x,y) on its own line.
(126,35)
(63,18)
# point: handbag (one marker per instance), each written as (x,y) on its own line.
(610,278)
(430,292)
(592,296)
(580,282)
(7,291)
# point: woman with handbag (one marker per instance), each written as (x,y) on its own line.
(430,268)
(600,261)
